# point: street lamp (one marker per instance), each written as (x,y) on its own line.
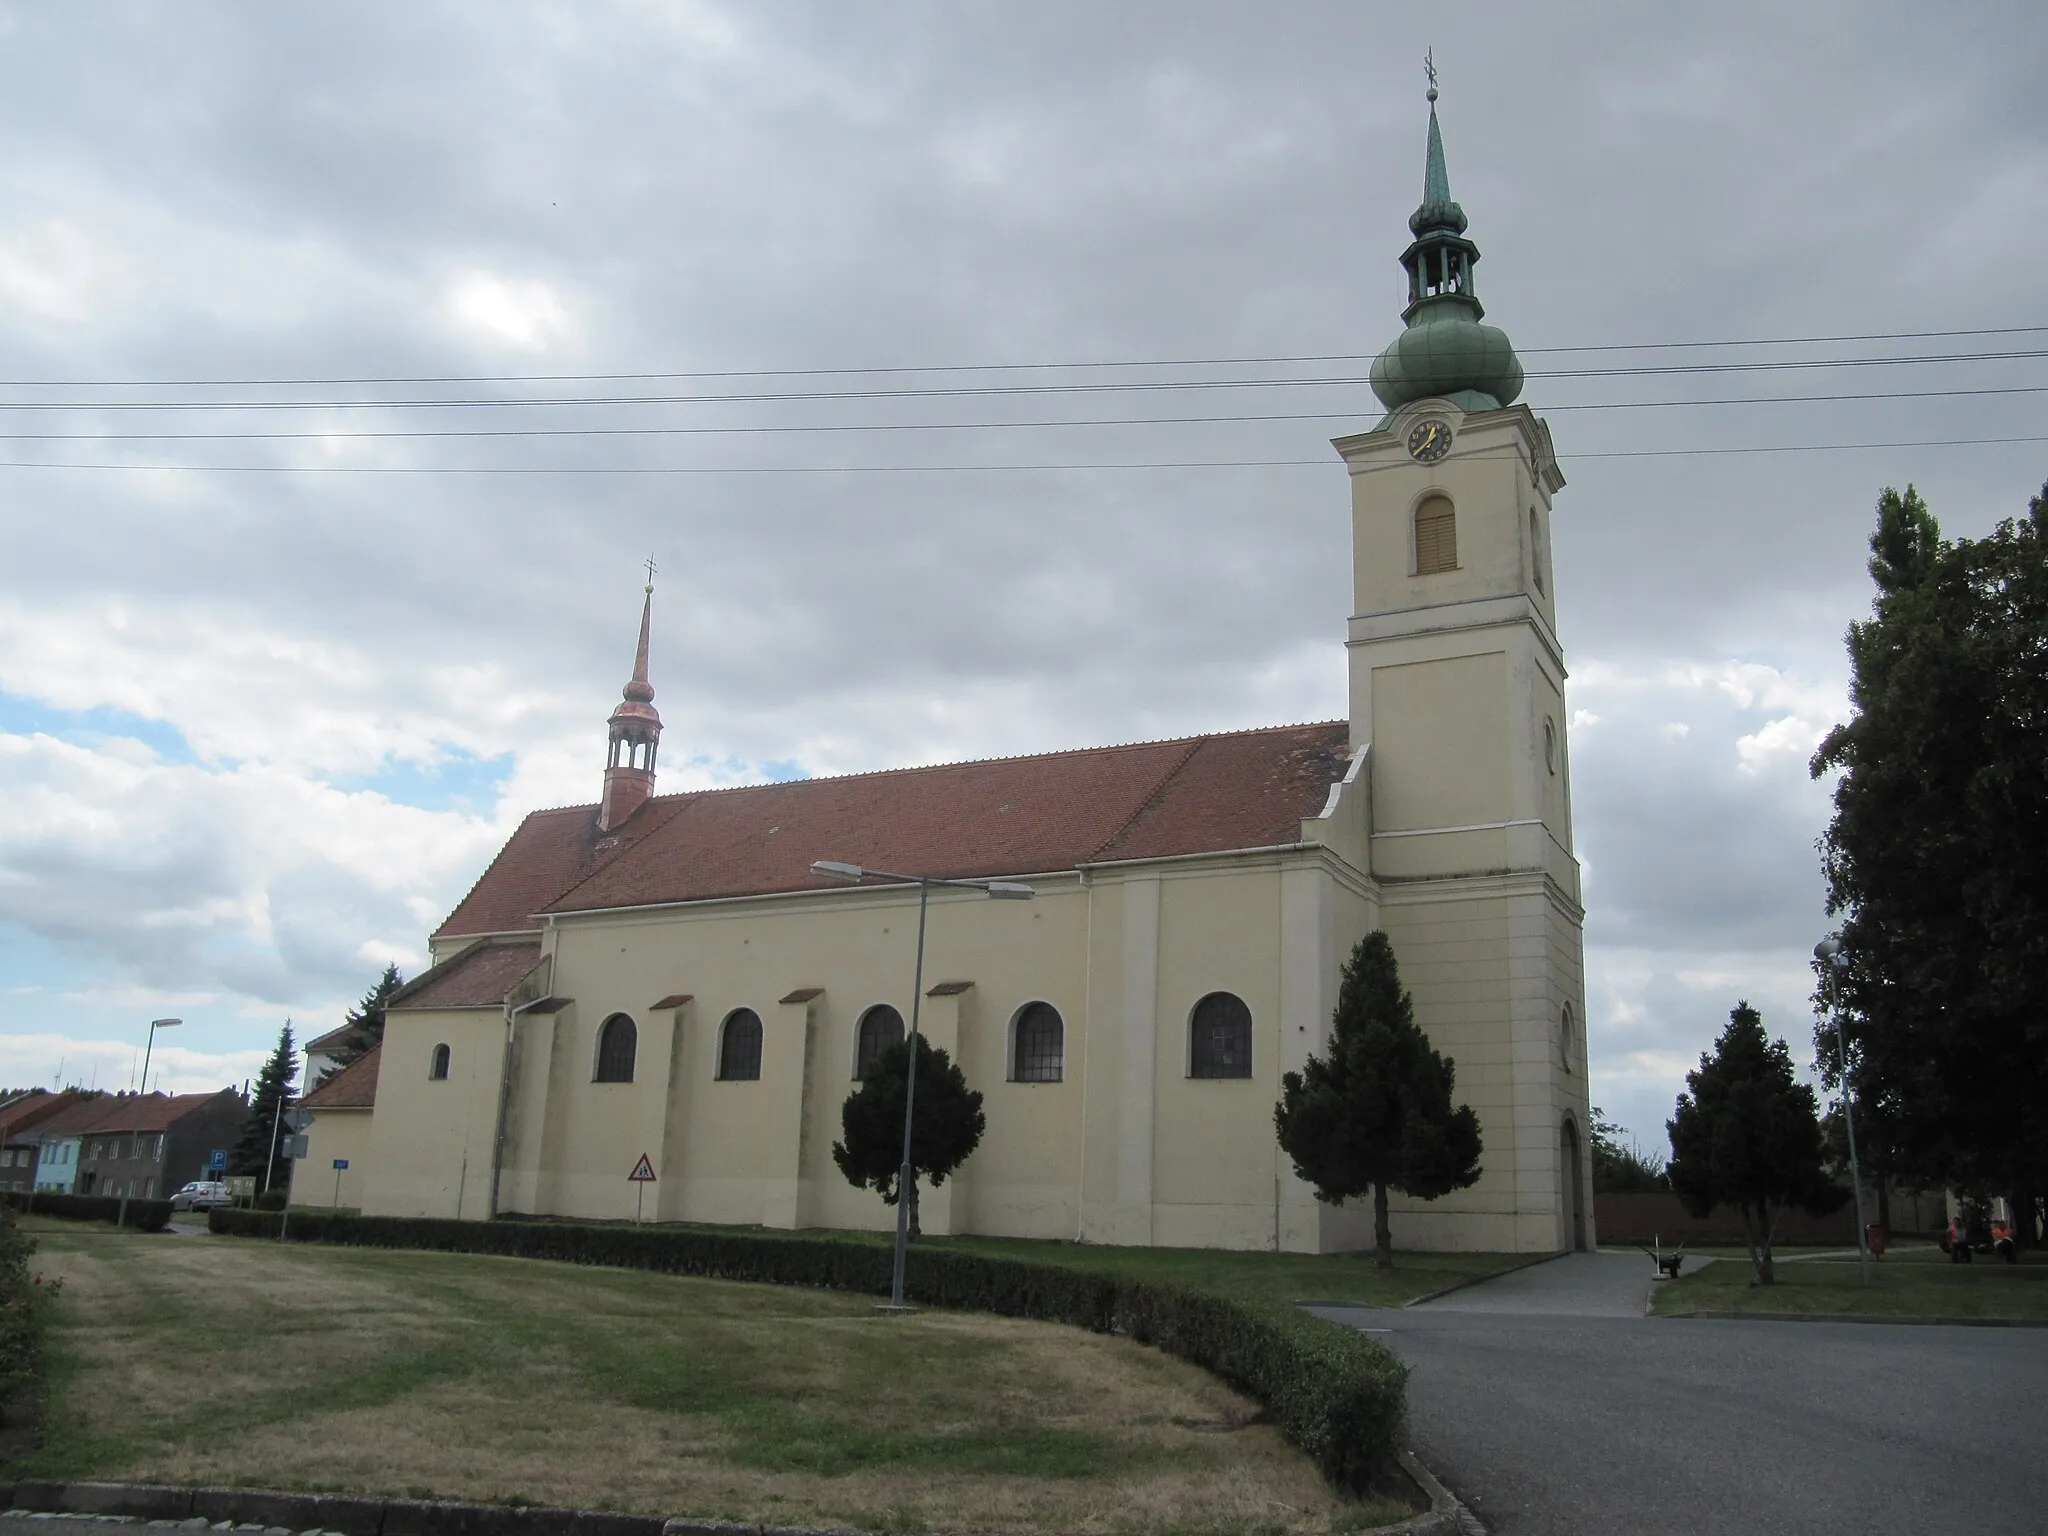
(1831,953)
(998,890)
(154,1026)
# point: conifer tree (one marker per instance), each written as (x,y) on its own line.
(945,1130)
(1377,1115)
(252,1152)
(1747,1134)
(365,1023)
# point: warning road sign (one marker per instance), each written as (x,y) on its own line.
(643,1171)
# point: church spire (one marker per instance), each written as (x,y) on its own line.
(635,733)
(1445,351)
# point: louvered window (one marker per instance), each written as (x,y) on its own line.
(1436,536)
(739,1049)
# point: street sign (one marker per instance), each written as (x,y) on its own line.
(298,1119)
(242,1186)
(643,1171)
(293,1146)
(216,1160)
(340,1163)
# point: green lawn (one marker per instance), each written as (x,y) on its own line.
(201,1359)
(1907,1282)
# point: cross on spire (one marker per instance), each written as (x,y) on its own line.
(1429,70)
(649,563)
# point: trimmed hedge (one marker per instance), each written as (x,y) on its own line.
(1333,1392)
(22,1295)
(144,1215)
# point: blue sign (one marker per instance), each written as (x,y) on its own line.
(340,1163)
(216,1160)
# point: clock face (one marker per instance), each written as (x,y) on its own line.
(1430,441)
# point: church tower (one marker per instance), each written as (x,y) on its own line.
(1457,696)
(635,733)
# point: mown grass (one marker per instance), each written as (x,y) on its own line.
(1906,1282)
(197,1359)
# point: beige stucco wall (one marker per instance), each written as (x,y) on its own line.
(334,1133)
(430,1140)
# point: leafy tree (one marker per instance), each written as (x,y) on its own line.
(1934,854)
(1622,1170)
(946,1128)
(1747,1134)
(253,1148)
(1377,1114)
(365,1022)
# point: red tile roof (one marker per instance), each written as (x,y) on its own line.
(1006,816)
(122,1112)
(32,1110)
(476,977)
(353,1087)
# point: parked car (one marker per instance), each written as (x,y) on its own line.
(201,1195)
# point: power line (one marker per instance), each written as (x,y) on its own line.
(794,373)
(952,392)
(353,434)
(913,469)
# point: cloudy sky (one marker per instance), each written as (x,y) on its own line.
(283,658)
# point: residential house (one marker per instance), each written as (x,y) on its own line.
(20,1139)
(146,1145)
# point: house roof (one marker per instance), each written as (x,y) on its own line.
(353,1087)
(336,1040)
(36,1110)
(476,977)
(1005,816)
(128,1112)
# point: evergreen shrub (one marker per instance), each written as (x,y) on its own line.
(1334,1393)
(22,1294)
(143,1215)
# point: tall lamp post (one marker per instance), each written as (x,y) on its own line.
(150,1045)
(1831,954)
(1000,890)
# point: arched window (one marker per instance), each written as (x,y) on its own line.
(1535,550)
(739,1047)
(1550,744)
(1436,536)
(617,1039)
(1567,1027)
(1038,1045)
(880,1027)
(437,1069)
(1220,1043)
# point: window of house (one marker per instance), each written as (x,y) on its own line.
(617,1039)
(880,1028)
(1535,550)
(149,1189)
(1220,1043)
(1038,1049)
(437,1067)
(1436,536)
(739,1047)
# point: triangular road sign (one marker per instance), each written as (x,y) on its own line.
(643,1171)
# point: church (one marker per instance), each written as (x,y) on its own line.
(660,985)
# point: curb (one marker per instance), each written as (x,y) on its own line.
(1446,1517)
(1854,1317)
(1530,1263)
(256,1510)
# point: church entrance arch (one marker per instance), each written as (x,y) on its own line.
(1575,1183)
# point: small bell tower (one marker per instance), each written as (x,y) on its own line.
(635,734)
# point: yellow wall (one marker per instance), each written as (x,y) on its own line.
(431,1140)
(334,1133)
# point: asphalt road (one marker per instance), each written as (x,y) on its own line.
(1545,1417)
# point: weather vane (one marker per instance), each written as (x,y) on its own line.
(1429,70)
(649,563)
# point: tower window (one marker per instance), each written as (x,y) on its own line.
(1566,1030)
(739,1048)
(1220,1037)
(1549,745)
(1436,536)
(1535,550)
(437,1068)
(617,1040)
(880,1027)
(1038,1049)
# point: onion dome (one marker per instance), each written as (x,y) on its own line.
(635,717)
(1445,351)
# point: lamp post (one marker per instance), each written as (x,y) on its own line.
(150,1045)
(1831,953)
(999,890)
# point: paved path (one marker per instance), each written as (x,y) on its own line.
(1552,1410)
